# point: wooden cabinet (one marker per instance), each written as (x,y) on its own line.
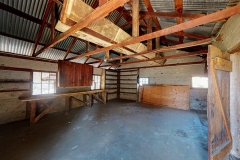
(74,74)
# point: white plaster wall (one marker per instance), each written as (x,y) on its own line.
(177,75)
(11,109)
(235,104)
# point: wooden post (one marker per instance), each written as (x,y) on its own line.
(104,96)
(90,100)
(135,18)
(67,104)
(32,111)
(84,100)
(149,30)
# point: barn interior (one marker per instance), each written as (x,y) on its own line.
(120,79)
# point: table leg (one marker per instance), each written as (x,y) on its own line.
(32,112)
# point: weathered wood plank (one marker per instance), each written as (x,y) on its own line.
(222,64)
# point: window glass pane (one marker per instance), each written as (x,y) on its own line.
(36,77)
(199,82)
(45,76)
(36,88)
(51,88)
(45,88)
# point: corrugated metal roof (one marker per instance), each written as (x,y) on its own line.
(14,25)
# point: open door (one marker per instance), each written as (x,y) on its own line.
(219,136)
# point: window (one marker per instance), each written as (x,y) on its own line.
(44,83)
(143,81)
(96,82)
(199,82)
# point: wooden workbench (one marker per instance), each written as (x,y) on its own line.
(99,95)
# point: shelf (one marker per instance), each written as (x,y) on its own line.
(128,79)
(112,92)
(134,70)
(16,90)
(111,75)
(110,88)
(129,75)
(129,83)
(111,79)
(129,92)
(111,84)
(128,88)
(15,81)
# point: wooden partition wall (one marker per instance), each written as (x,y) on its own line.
(173,96)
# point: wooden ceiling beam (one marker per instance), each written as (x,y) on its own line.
(70,48)
(166,65)
(225,13)
(49,5)
(145,14)
(164,58)
(165,49)
(98,13)
(53,21)
(155,20)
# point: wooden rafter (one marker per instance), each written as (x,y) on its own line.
(155,20)
(50,2)
(165,49)
(70,48)
(53,21)
(163,58)
(145,14)
(166,65)
(225,13)
(98,13)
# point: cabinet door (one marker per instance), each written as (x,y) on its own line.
(65,74)
(78,79)
(88,74)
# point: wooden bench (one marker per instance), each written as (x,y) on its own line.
(98,95)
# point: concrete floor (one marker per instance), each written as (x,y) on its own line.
(119,130)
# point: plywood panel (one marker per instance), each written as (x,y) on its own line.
(172,96)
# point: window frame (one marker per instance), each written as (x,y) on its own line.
(55,82)
(144,83)
(100,80)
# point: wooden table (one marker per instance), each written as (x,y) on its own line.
(99,95)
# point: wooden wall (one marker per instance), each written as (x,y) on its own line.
(173,96)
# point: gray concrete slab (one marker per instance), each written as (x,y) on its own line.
(119,130)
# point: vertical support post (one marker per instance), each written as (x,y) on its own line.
(28,106)
(149,30)
(121,60)
(107,55)
(32,112)
(67,105)
(84,100)
(135,18)
(104,96)
(118,84)
(103,77)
